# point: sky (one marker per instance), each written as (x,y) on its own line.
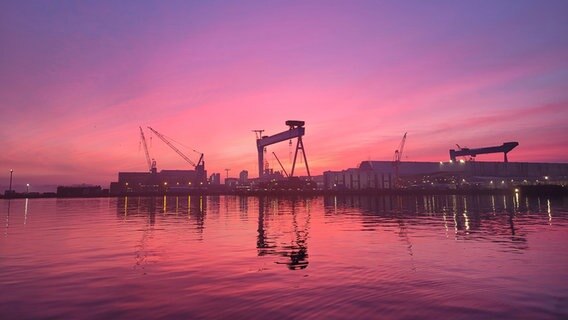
(78,78)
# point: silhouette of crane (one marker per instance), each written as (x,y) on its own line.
(397,157)
(296,130)
(152,162)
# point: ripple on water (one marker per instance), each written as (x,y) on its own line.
(248,257)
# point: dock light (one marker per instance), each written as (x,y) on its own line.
(545,177)
(516,190)
(165,183)
(462,161)
(441,162)
(491,182)
(451,161)
(27,188)
(126,183)
(502,181)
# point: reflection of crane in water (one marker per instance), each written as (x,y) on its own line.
(141,253)
(403,233)
(297,251)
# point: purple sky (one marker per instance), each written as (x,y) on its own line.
(78,78)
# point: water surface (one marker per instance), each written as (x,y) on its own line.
(473,257)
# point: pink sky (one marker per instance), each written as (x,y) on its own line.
(76,81)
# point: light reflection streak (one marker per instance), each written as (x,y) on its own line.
(188,207)
(26,211)
(7,218)
(125,206)
(549,211)
(165,203)
(527,203)
(335,204)
(465,213)
(444,212)
(455,209)
(493,203)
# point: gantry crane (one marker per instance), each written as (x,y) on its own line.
(397,157)
(505,148)
(296,130)
(151,162)
(199,166)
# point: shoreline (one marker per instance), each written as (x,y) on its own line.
(540,190)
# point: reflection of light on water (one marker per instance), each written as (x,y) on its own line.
(200,204)
(549,212)
(444,211)
(517,201)
(465,214)
(188,207)
(125,206)
(455,208)
(505,202)
(308,205)
(26,211)
(527,203)
(335,204)
(433,206)
(165,203)
(493,203)
(177,204)
(8,218)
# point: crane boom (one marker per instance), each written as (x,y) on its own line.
(166,141)
(397,157)
(146,150)
(398,153)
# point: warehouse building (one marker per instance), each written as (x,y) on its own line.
(377,175)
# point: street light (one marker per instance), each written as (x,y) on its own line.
(10,189)
(27,188)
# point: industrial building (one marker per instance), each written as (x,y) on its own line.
(165,180)
(153,181)
(377,175)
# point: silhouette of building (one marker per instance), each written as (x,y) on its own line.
(243,176)
(147,182)
(215,179)
(451,174)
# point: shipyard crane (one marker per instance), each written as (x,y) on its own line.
(296,130)
(181,154)
(152,162)
(398,157)
(504,148)
(199,167)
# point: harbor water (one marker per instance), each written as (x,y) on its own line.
(350,257)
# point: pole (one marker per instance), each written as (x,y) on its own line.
(10,189)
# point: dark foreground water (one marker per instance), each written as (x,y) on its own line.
(438,257)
